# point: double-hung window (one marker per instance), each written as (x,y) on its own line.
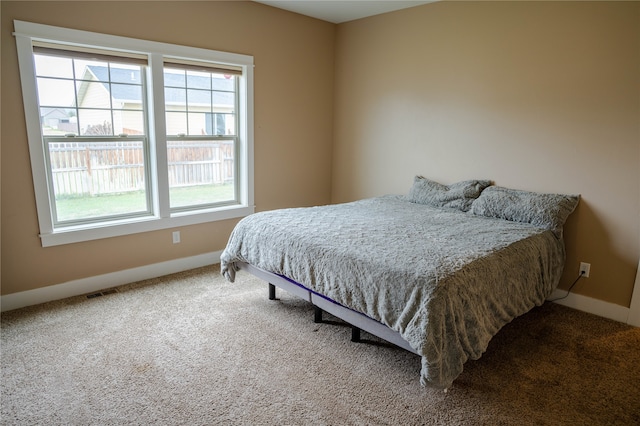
(128,135)
(94,135)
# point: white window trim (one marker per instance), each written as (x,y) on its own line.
(26,32)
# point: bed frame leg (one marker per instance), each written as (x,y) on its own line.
(317,314)
(355,334)
(272,292)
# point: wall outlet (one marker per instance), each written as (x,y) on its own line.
(176,237)
(584,269)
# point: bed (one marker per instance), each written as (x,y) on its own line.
(438,271)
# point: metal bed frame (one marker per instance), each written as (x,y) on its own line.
(357,320)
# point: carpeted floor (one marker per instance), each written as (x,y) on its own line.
(193,349)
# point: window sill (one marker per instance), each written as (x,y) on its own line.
(107,230)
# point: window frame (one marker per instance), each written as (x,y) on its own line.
(163,217)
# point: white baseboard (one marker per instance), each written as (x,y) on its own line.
(101,282)
(113,279)
(591,305)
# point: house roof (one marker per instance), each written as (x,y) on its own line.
(53,112)
(125,86)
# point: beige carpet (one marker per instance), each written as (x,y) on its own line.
(192,349)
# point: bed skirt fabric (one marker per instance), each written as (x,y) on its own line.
(444,279)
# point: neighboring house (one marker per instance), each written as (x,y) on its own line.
(57,118)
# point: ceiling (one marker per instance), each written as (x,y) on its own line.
(343,11)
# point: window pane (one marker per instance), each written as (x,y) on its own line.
(95,122)
(98,179)
(128,122)
(176,123)
(223,101)
(52,66)
(223,82)
(220,124)
(198,124)
(174,78)
(127,96)
(201,172)
(199,80)
(58,121)
(199,100)
(126,74)
(56,92)
(91,70)
(175,99)
(93,94)
(226,124)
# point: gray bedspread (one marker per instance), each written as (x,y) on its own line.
(446,280)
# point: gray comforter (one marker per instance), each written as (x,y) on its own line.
(446,280)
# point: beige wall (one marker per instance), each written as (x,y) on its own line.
(293,58)
(542,96)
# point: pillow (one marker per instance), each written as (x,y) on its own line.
(457,196)
(549,211)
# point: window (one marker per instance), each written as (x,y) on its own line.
(200,106)
(128,135)
(94,136)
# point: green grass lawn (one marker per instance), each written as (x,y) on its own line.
(74,208)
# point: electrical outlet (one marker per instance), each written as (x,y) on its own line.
(176,237)
(584,269)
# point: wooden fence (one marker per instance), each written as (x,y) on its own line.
(83,168)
